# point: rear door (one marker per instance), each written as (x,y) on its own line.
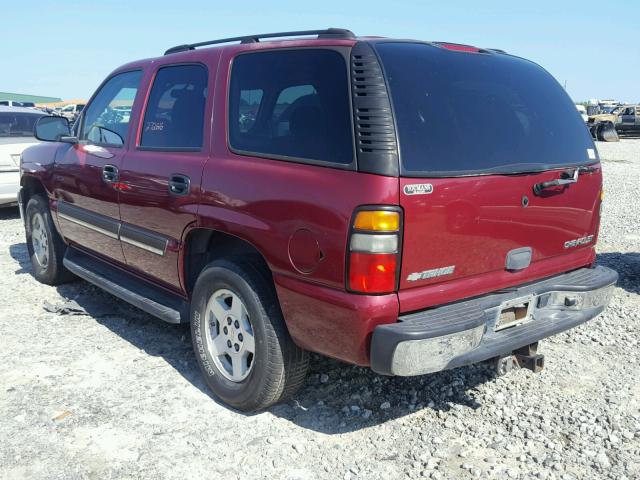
(87,173)
(160,178)
(478,131)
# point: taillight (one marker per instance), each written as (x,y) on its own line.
(374,250)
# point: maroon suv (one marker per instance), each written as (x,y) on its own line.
(412,206)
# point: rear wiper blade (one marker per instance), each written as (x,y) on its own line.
(565,178)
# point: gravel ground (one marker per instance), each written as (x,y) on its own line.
(116,394)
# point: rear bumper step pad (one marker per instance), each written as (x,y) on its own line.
(470,331)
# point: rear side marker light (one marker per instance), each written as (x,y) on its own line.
(374,251)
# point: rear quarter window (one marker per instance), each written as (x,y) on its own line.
(292,105)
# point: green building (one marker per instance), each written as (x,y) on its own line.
(20,97)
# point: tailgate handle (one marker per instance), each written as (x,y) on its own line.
(539,187)
(565,179)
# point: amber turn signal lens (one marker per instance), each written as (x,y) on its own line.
(377,221)
(602,195)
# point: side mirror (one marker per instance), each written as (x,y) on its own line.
(54,129)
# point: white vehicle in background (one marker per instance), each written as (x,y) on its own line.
(16,134)
(71,111)
(583,112)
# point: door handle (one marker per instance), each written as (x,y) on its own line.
(179,184)
(110,173)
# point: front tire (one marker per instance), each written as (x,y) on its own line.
(240,339)
(45,246)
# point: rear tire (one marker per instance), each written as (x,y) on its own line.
(45,246)
(241,342)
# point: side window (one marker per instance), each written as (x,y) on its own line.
(103,122)
(303,109)
(174,119)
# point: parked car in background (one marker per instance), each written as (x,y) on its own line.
(124,111)
(16,134)
(71,111)
(628,119)
(10,103)
(620,119)
(267,192)
(583,112)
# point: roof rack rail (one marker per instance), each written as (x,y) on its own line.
(326,33)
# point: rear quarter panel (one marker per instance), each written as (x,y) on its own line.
(266,201)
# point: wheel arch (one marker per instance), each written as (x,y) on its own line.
(32,186)
(204,245)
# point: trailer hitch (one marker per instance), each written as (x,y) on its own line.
(525,357)
(528,357)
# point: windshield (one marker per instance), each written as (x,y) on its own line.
(17,124)
(473,113)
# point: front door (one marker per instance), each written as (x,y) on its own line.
(160,177)
(627,118)
(87,173)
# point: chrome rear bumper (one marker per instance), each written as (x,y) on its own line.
(473,330)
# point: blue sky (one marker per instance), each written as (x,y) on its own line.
(65,49)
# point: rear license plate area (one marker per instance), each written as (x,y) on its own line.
(514,312)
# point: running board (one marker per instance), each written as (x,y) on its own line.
(159,303)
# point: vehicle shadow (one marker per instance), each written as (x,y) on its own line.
(9,213)
(336,398)
(628,267)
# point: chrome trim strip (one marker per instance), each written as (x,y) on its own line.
(88,225)
(159,247)
(144,246)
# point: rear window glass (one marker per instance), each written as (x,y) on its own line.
(175,113)
(464,113)
(291,104)
(17,124)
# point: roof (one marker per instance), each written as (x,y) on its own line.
(321,34)
(331,37)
